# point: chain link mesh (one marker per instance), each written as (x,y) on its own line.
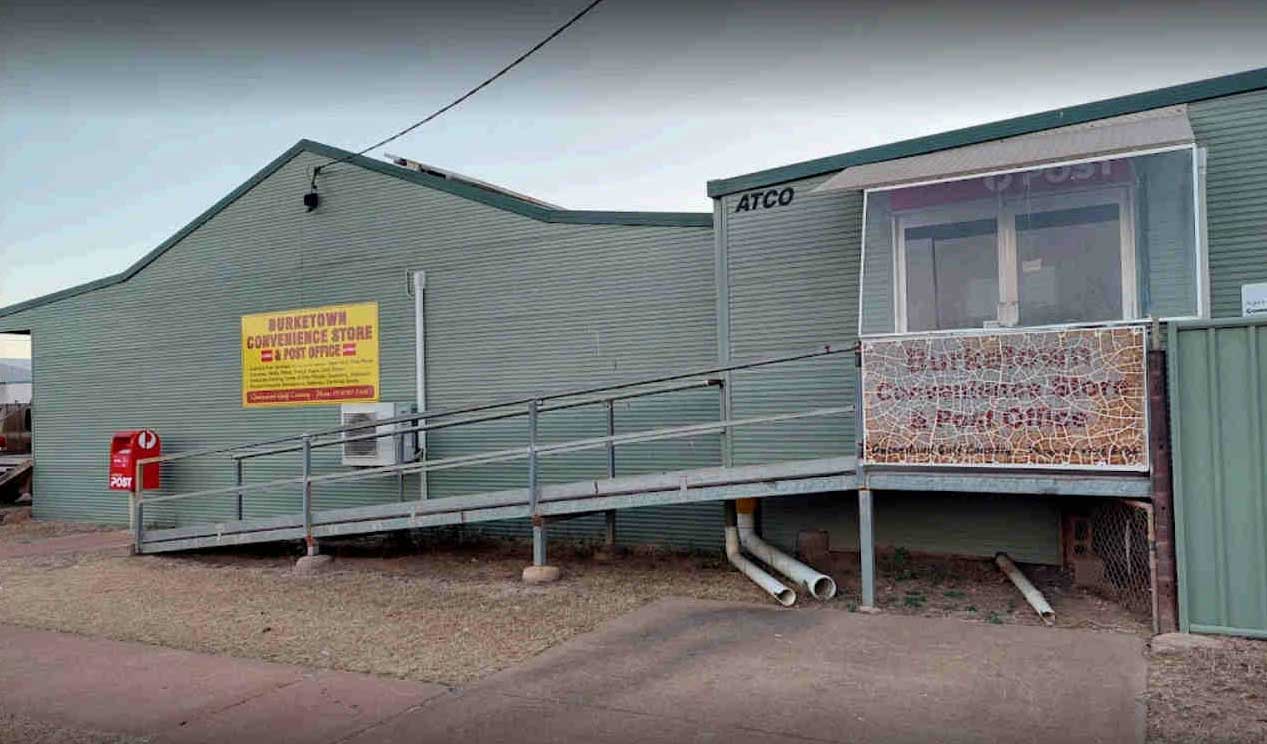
(1110,548)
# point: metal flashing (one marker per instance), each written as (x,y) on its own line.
(1227,85)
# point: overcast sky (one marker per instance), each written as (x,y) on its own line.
(120,122)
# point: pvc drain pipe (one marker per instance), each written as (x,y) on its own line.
(819,585)
(1031,593)
(772,586)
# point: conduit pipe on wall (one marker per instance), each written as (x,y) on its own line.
(819,585)
(775,588)
(1031,593)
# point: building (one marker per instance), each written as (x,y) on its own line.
(15,381)
(1011,287)
(1098,228)
(519,296)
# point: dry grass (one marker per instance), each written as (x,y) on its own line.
(976,590)
(1209,694)
(453,612)
(33,530)
(448,617)
(447,612)
(20,730)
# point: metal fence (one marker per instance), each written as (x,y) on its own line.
(1111,549)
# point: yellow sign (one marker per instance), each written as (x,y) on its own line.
(314,356)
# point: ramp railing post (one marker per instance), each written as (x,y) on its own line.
(138,509)
(307,483)
(611,468)
(534,488)
(238,481)
(866,546)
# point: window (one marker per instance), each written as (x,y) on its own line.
(1099,241)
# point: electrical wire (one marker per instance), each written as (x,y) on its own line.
(457,101)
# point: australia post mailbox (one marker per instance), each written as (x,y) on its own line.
(126,447)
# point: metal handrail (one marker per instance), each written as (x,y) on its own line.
(818,351)
(533,451)
(509,454)
(707,382)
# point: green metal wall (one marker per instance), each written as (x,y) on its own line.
(1218,404)
(788,280)
(1233,130)
(514,305)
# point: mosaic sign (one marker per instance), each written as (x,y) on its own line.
(1048,399)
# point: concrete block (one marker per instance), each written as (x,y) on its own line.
(1181,643)
(541,574)
(310,565)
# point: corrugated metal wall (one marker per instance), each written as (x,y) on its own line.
(1233,130)
(790,281)
(514,305)
(1218,391)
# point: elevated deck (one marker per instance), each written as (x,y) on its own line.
(828,475)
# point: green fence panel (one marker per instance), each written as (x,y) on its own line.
(1218,408)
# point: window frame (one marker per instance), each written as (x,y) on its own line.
(1131,310)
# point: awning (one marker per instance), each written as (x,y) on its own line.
(1101,138)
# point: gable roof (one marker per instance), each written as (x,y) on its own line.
(484,195)
(1227,85)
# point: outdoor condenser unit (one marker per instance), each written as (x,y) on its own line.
(384,450)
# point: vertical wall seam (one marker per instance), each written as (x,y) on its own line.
(1216,460)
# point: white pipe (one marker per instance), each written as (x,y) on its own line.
(1031,593)
(771,585)
(420,365)
(819,585)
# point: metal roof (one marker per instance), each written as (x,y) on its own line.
(497,198)
(1241,82)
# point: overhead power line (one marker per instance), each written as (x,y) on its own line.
(457,101)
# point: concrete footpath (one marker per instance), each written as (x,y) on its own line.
(675,671)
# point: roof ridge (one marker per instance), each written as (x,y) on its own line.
(496,199)
(1198,90)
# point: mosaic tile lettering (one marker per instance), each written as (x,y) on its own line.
(1060,399)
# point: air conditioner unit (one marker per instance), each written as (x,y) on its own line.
(380,451)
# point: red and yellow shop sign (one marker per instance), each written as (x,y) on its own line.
(313,356)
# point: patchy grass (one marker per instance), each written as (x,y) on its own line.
(1209,694)
(448,616)
(34,530)
(21,730)
(975,590)
(439,610)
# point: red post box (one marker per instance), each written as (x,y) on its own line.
(126,447)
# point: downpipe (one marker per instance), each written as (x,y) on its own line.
(1027,589)
(772,586)
(819,585)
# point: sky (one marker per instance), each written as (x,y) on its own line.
(122,121)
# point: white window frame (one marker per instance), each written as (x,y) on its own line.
(1130,303)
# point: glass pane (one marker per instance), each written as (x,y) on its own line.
(952,275)
(1069,265)
(1074,220)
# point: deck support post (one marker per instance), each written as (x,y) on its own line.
(138,511)
(539,572)
(307,496)
(611,469)
(866,547)
(237,461)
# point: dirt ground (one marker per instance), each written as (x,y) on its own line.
(21,730)
(451,610)
(29,531)
(1209,694)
